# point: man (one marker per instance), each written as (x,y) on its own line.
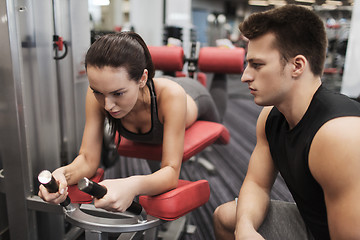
(307,133)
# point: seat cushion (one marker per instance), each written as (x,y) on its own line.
(77,196)
(177,202)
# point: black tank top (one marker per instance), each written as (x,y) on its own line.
(290,150)
(155,134)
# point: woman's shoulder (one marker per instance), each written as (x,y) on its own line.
(165,86)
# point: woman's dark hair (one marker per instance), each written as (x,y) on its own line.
(297,30)
(125,49)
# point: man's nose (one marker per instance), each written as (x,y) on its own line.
(246,76)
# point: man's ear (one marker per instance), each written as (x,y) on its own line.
(299,64)
(143,78)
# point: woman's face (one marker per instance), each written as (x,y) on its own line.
(114,90)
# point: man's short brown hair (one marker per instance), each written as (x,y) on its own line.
(297,30)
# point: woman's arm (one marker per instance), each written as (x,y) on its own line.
(87,162)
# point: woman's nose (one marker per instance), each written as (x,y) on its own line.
(108,103)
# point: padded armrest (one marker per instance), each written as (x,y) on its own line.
(197,137)
(177,202)
(77,196)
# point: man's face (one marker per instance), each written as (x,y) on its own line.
(268,78)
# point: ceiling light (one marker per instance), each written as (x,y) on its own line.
(101,2)
(331,2)
(277,2)
(328,6)
(258,3)
(305,1)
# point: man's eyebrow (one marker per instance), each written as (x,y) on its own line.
(250,60)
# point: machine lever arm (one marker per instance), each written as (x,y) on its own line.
(99,191)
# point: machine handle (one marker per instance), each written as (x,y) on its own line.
(46,178)
(98,191)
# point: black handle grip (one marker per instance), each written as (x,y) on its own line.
(45,178)
(99,191)
(135,208)
(92,188)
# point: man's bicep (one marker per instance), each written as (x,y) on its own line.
(334,161)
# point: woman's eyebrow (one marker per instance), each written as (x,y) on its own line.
(120,89)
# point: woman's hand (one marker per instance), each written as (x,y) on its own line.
(61,194)
(120,194)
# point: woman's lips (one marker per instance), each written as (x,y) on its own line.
(114,114)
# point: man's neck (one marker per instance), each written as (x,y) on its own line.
(298,101)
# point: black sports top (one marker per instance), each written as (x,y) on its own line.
(155,134)
(290,150)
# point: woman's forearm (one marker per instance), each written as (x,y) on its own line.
(158,182)
(79,168)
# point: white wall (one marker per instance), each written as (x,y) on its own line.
(147,19)
(351,78)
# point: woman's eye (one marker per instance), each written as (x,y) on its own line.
(118,94)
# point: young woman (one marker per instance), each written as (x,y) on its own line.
(122,88)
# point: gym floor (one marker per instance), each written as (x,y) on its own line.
(230,160)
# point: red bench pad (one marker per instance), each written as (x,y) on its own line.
(166,58)
(77,196)
(221,60)
(197,137)
(177,202)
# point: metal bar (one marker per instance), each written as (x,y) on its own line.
(37,204)
(73,233)
(12,128)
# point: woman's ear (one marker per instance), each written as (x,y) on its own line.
(299,65)
(143,78)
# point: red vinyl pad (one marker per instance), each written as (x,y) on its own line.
(167,58)
(221,60)
(77,196)
(177,202)
(197,137)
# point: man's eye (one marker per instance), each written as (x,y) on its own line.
(256,65)
(96,92)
